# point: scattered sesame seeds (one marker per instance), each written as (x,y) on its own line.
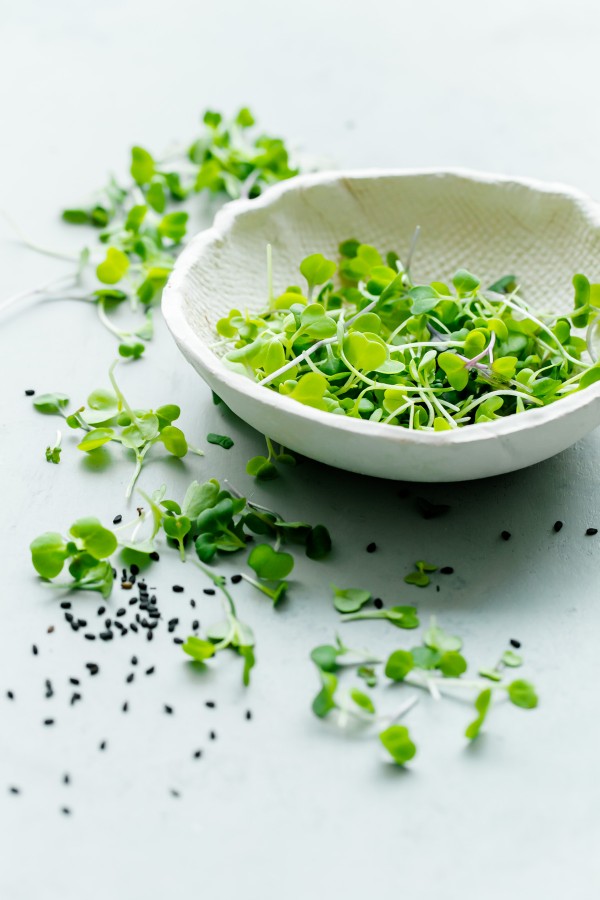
(10,695)
(48,721)
(178,588)
(197,754)
(134,660)
(446,570)
(235,579)
(195,625)
(117,519)
(212,735)
(154,556)
(557,525)
(591,531)
(210,592)
(168,709)
(150,671)
(211,704)
(178,640)
(102,745)
(149,635)
(90,637)
(121,611)
(74,681)
(29,392)
(14,790)
(106,635)
(506,535)
(378,603)
(130,677)
(514,643)
(34,650)
(65,811)
(66,778)
(93,668)
(372,547)
(133,627)
(65,604)
(125,706)
(193,604)
(248,714)
(101,610)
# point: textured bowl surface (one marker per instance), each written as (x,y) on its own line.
(491,225)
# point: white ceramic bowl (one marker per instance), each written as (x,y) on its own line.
(492,225)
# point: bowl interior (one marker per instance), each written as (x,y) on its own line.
(543,234)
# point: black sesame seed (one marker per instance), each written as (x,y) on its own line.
(14,790)
(65,811)
(134,660)
(125,706)
(29,392)
(197,754)
(65,604)
(106,635)
(90,637)
(66,778)
(10,695)
(34,650)
(378,603)
(212,735)
(102,745)
(130,678)
(558,525)
(591,531)
(193,604)
(74,698)
(175,793)
(372,547)
(211,704)
(101,610)
(48,721)
(168,709)
(108,623)
(74,626)
(210,592)
(149,635)
(82,623)
(446,570)
(69,616)
(142,586)
(50,629)
(150,671)
(135,570)
(154,556)
(93,668)
(74,680)
(195,625)
(178,588)
(121,611)
(514,643)
(248,714)
(235,579)
(133,601)
(117,519)
(506,535)
(123,632)
(178,640)
(133,627)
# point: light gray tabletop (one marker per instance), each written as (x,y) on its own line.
(283,806)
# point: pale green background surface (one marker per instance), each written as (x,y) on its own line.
(283,808)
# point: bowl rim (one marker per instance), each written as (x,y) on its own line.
(173,309)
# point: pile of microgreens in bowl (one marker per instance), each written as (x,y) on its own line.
(363,340)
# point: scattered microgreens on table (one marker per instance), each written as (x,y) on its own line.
(142,226)
(373,344)
(435,665)
(109,418)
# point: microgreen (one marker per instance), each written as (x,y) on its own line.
(87,548)
(374,345)
(53,451)
(109,418)
(221,440)
(396,740)
(420,577)
(263,468)
(400,616)
(349,600)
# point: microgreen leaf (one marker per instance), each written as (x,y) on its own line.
(399,664)
(270,564)
(363,701)
(221,440)
(482,705)
(349,600)
(114,267)
(397,742)
(437,639)
(51,404)
(324,702)
(198,649)
(522,694)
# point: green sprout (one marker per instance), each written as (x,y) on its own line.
(366,341)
